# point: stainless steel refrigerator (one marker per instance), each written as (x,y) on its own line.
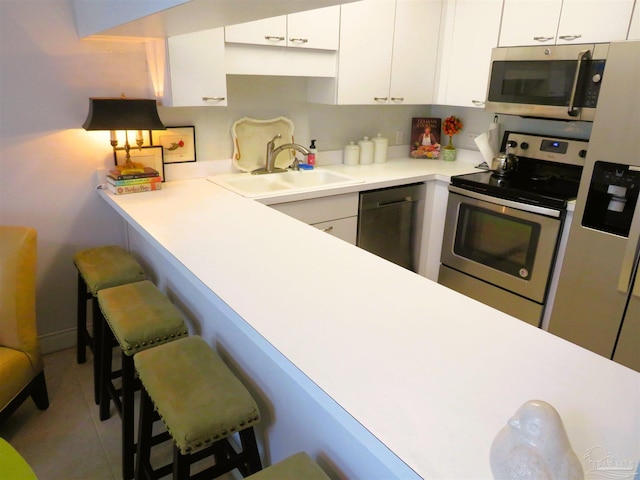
(597,304)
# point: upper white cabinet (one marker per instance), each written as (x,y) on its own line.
(549,22)
(387,55)
(194,72)
(469,32)
(318,29)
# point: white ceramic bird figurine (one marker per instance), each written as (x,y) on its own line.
(534,445)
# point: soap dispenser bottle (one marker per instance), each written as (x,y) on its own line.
(311,158)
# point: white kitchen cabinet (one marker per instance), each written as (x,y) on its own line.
(549,22)
(470,30)
(317,29)
(337,215)
(388,53)
(194,72)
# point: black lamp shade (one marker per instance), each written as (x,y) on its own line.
(122,114)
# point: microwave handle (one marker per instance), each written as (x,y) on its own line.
(582,55)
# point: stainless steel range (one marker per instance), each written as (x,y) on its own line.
(502,228)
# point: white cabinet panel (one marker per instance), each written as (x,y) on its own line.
(564,21)
(318,29)
(196,70)
(634,28)
(388,54)
(470,32)
(343,228)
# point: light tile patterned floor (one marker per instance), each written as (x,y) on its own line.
(68,441)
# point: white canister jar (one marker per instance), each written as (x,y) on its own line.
(380,145)
(351,154)
(366,151)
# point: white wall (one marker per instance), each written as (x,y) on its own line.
(48,162)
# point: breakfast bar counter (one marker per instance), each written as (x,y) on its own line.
(375,371)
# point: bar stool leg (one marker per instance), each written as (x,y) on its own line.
(145,428)
(98,333)
(81,341)
(181,465)
(106,363)
(128,425)
(250,449)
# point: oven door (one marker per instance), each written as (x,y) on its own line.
(499,242)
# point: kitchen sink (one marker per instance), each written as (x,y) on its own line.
(273,184)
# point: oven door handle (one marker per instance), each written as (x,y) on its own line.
(549,212)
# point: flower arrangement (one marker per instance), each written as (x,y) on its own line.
(451,126)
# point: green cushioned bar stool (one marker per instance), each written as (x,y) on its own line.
(296,467)
(98,268)
(202,403)
(139,317)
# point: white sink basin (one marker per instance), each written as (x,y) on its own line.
(272,184)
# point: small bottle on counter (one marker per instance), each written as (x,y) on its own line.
(351,154)
(311,158)
(366,151)
(380,145)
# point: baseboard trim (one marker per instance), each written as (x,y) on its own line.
(53,342)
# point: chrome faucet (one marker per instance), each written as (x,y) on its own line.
(272,153)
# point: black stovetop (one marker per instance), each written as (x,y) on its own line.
(536,182)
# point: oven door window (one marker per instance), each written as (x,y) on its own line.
(497,240)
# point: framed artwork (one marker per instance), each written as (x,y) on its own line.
(178,143)
(150,156)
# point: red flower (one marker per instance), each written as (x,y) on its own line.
(452,125)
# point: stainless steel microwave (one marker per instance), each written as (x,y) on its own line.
(560,82)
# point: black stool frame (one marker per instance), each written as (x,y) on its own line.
(225,455)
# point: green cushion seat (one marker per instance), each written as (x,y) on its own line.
(140,316)
(107,266)
(198,398)
(12,465)
(296,467)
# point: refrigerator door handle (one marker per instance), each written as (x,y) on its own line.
(630,259)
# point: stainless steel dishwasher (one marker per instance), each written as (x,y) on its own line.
(390,223)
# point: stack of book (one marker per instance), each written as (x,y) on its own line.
(146,180)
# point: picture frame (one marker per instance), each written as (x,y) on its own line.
(178,143)
(149,156)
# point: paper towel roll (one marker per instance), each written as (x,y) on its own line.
(486,149)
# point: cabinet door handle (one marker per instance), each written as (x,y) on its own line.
(543,39)
(328,229)
(213,99)
(299,40)
(381,99)
(569,37)
(273,37)
(478,103)
(397,99)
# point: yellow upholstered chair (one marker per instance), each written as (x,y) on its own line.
(21,367)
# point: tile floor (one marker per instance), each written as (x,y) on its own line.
(68,441)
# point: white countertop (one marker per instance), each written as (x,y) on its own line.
(432,374)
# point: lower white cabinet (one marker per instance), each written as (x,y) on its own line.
(337,215)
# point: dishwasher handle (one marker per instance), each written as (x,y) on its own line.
(394,202)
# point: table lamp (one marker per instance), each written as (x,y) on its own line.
(124,114)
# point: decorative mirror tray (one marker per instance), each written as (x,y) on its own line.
(250,137)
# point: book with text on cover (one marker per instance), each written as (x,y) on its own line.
(132,181)
(425,137)
(148,172)
(142,187)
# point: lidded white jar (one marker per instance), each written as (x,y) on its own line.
(380,145)
(351,154)
(366,151)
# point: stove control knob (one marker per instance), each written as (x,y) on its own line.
(524,145)
(582,153)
